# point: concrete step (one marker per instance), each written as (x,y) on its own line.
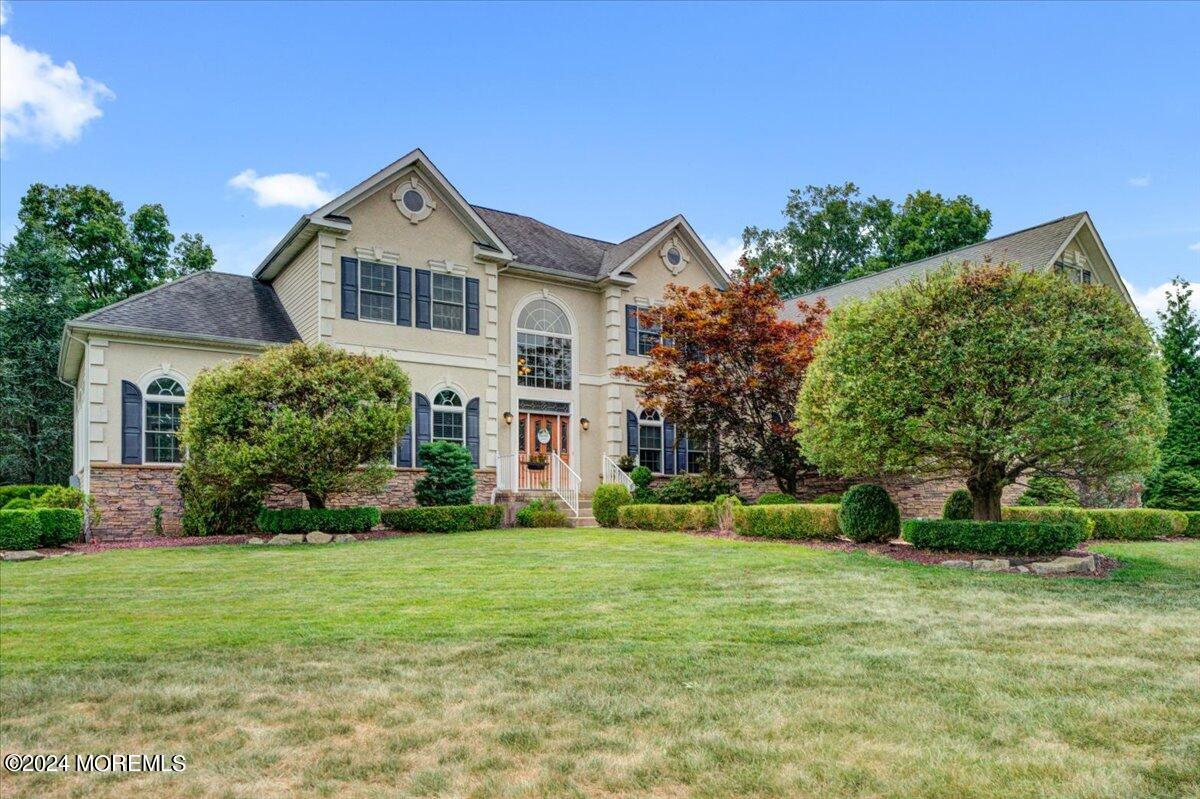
(582,521)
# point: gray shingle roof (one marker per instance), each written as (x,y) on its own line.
(1032,248)
(206,304)
(538,244)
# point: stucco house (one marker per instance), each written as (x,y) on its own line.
(508,327)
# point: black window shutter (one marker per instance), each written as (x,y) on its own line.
(404,450)
(473,310)
(424,423)
(681,454)
(349,288)
(631,434)
(423,288)
(131,423)
(631,332)
(473,429)
(404,296)
(668,447)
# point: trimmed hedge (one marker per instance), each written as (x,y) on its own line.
(541,513)
(444,518)
(22,491)
(20,503)
(58,526)
(19,529)
(668,517)
(1193,523)
(1061,514)
(1136,524)
(867,513)
(833,498)
(310,520)
(959,505)
(993,538)
(776,498)
(607,500)
(787,521)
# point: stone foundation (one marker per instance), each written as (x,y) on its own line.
(127,495)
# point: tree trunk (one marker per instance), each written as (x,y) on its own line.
(787,483)
(985,484)
(314,500)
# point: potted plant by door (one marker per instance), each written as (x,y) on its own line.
(537,461)
(626,463)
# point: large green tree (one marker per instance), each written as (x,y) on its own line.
(987,372)
(1179,340)
(832,234)
(75,250)
(306,417)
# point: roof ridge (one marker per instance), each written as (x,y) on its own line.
(670,218)
(151,290)
(540,222)
(945,254)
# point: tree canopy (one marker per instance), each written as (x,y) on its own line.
(728,370)
(306,417)
(833,234)
(1179,340)
(74,250)
(988,372)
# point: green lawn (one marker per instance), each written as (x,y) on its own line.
(601,663)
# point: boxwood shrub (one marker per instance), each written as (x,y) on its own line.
(444,518)
(993,538)
(310,520)
(1051,513)
(58,526)
(19,529)
(668,517)
(959,505)
(607,500)
(1136,524)
(776,498)
(867,513)
(787,521)
(23,491)
(1193,523)
(541,513)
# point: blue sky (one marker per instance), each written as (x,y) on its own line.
(603,119)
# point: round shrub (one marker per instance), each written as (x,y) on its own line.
(959,505)
(867,513)
(607,500)
(776,498)
(541,513)
(641,477)
(58,526)
(310,520)
(19,529)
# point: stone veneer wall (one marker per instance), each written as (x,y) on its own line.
(126,497)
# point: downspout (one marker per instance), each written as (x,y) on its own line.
(87,517)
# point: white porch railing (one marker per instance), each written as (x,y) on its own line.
(614,474)
(565,482)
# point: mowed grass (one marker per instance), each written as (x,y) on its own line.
(532,663)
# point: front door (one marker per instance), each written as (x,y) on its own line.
(540,434)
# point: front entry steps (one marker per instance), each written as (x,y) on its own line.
(585,517)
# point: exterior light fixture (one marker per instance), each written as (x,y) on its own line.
(584,423)
(508,417)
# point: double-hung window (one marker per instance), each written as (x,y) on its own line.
(377,292)
(448,417)
(449,302)
(697,453)
(648,336)
(164,408)
(650,441)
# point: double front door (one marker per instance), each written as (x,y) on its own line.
(538,435)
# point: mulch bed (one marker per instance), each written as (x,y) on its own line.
(899,550)
(190,541)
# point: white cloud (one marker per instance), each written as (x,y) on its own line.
(1152,300)
(285,188)
(1140,182)
(726,250)
(40,100)
(1194,247)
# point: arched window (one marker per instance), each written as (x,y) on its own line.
(543,346)
(650,441)
(164,406)
(448,417)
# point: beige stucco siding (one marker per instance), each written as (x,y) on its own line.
(296,286)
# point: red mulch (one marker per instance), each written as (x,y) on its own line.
(899,550)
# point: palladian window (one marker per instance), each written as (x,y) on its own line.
(543,346)
(164,407)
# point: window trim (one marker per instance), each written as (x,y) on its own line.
(656,421)
(147,398)
(395,288)
(435,408)
(569,338)
(647,331)
(462,284)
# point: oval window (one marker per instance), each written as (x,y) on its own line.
(413,200)
(673,257)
